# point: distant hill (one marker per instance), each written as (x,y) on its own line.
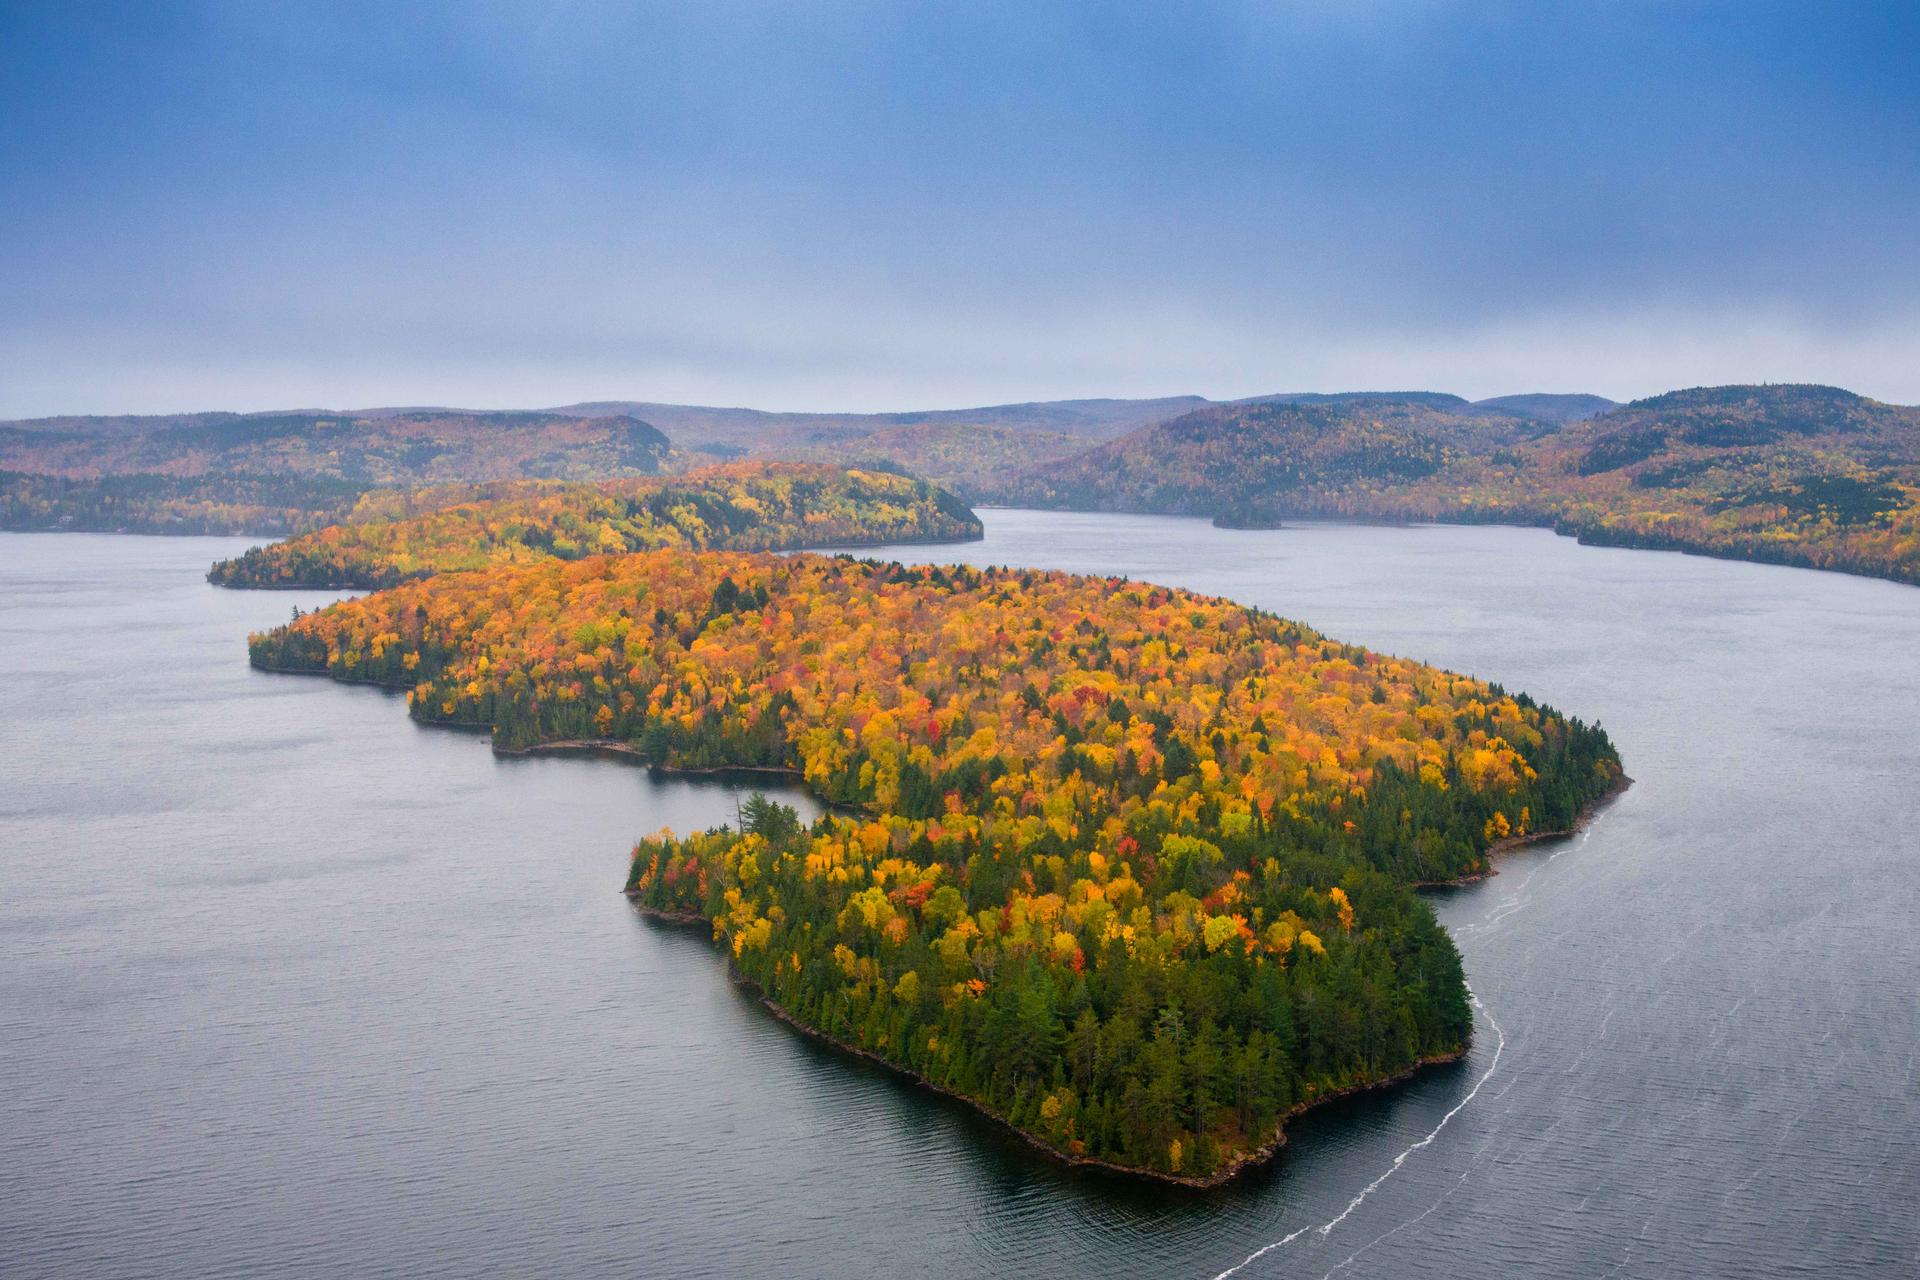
(963,448)
(1799,474)
(286,472)
(1804,475)
(765,432)
(1264,458)
(109,425)
(1712,418)
(759,430)
(1540,407)
(1547,407)
(1425,399)
(972,450)
(414,448)
(965,457)
(960,448)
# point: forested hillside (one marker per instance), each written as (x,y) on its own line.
(1803,475)
(1133,866)
(1267,458)
(703,426)
(286,472)
(973,455)
(395,535)
(290,472)
(965,458)
(1547,407)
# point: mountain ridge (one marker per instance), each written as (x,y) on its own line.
(1782,473)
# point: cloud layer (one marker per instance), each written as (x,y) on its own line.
(883,206)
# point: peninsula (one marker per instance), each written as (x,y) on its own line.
(1132,868)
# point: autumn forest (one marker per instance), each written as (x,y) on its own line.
(392,536)
(1129,868)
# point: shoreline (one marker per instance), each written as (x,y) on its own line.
(389,685)
(563,746)
(1235,1168)
(818,548)
(1598,537)
(1508,844)
(1594,536)
(616,747)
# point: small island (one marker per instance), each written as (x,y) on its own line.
(1127,868)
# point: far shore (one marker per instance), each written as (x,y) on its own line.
(362,584)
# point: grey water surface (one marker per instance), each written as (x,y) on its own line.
(291,986)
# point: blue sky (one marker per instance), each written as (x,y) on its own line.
(862,206)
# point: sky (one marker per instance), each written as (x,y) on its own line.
(889,206)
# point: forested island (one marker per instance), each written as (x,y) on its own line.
(1128,868)
(392,536)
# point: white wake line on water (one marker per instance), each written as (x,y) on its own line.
(1517,900)
(1514,902)
(1326,1228)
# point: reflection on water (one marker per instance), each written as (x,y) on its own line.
(290,985)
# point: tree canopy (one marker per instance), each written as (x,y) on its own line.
(1127,867)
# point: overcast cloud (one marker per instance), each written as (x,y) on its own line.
(892,206)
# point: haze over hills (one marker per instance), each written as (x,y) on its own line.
(1799,474)
(1538,406)
(966,448)
(1427,399)
(287,472)
(1230,457)
(695,425)
(1548,407)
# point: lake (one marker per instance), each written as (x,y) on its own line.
(290,985)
